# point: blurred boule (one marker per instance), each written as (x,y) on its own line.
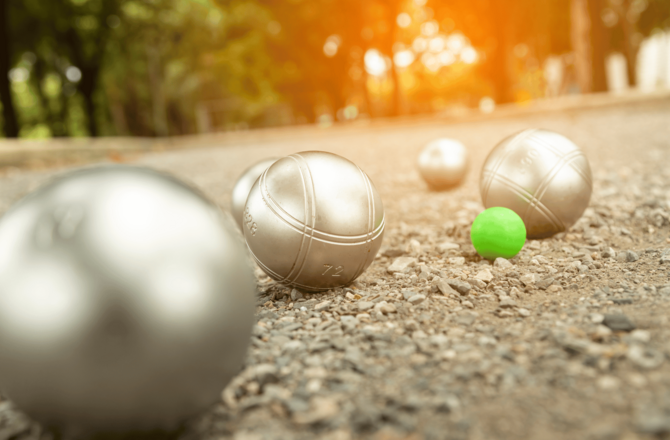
(314,220)
(542,176)
(126,301)
(243,186)
(443,163)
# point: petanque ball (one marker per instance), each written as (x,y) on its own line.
(542,176)
(126,301)
(443,163)
(314,220)
(498,233)
(243,186)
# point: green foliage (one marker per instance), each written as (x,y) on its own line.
(145,66)
(169,67)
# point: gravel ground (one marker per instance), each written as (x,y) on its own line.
(567,340)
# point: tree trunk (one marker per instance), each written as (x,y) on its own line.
(580,34)
(10,124)
(630,51)
(89,80)
(498,62)
(598,46)
(157,95)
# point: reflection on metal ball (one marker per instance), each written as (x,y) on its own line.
(126,302)
(314,220)
(243,186)
(542,176)
(443,163)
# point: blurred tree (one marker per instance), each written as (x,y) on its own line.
(70,37)
(631,21)
(10,124)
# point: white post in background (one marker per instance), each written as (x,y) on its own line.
(653,63)
(617,73)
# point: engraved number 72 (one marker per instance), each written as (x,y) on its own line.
(338,270)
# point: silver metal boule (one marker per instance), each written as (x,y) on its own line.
(126,301)
(542,176)
(314,220)
(243,186)
(443,163)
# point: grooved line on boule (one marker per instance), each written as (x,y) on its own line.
(551,148)
(524,194)
(371,216)
(546,181)
(310,201)
(508,149)
(264,192)
(295,224)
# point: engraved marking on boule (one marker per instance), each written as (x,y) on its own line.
(551,148)
(524,194)
(249,221)
(371,220)
(338,270)
(494,170)
(325,237)
(310,216)
(307,270)
(546,181)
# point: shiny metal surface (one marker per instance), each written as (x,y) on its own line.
(243,186)
(542,176)
(126,302)
(443,163)
(314,220)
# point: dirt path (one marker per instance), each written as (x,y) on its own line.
(511,359)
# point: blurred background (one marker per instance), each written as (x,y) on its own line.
(176,67)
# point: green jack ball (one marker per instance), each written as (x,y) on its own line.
(498,232)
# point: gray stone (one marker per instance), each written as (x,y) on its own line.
(665,256)
(544,283)
(416,299)
(407,294)
(444,288)
(507,303)
(627,257)
(528,279)
(447,246)
(322,306)
(296,295)
(466,319)
(460,286)
(365,305)
(618,323)
(475,282)
(645,357)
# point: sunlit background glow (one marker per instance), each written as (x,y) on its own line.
(177,67)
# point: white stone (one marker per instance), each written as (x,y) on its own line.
(484,275)
(401,264)
(528,278)
(502,263)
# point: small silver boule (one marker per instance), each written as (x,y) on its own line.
(542,176)
(126,301)
(443,163)
(243,186)
(314,220)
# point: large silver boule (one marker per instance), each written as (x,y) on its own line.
(243,186)
(443,163)
(542,176)
(314,220)
(126,302)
